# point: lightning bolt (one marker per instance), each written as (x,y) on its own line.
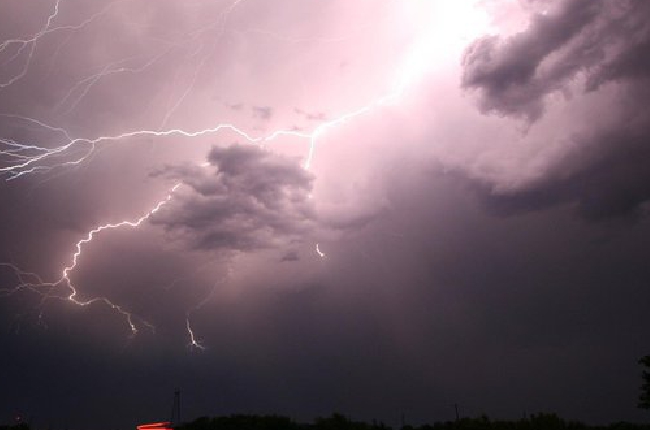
(25,43)
(194,342)
(31,42)
(26,164)
(87,83)
(65,280)
(220,24)
(29,164)
(21,159)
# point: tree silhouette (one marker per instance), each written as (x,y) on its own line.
(644,397)
(540,421)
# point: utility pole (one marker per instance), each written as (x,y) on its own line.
(456,409)
(176,408)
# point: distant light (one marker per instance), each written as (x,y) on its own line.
(163,425)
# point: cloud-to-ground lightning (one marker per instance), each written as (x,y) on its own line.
(19,159)
(194,342)
(320,253)
(44,288)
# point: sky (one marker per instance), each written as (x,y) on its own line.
(374,207)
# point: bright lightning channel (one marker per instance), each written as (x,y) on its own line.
(65,277)
(413,66)
(194,342)
(31,159)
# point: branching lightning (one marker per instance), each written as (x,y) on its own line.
(21,159)
(30,43)
(86,84)
(45,288)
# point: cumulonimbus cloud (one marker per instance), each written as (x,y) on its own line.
(244,198)
(514,74)
(603,46)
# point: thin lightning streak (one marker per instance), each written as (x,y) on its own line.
(110,69)
(26,167)
(55,55)
(32,43)
(187,91)
(194,342)
(221,20)
(33,40)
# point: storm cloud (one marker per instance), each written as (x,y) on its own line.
(577,49)
(472,227)
(244,198)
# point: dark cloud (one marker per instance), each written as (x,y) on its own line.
(614,181)
(291,256)
(425,298)
(311,116)
(262,112)
(603,169)
(542,312)
(246,198)
(603,40)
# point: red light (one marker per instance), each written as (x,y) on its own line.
(165,425)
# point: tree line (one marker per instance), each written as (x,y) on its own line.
(541,421)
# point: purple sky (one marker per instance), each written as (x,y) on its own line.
(474,174)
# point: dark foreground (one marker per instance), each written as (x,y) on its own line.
(340,422)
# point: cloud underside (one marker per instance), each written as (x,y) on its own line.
(244,198)
(601,46)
